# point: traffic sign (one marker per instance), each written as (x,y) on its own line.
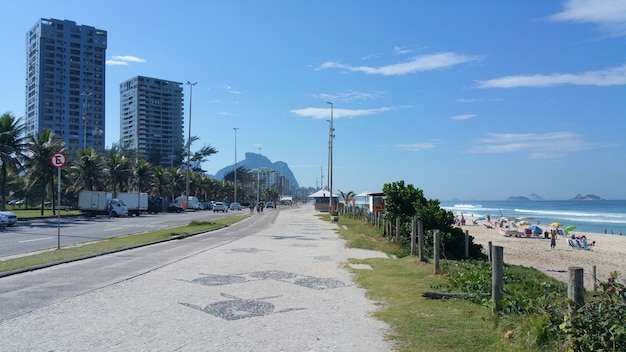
(58,159)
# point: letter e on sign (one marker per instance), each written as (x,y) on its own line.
(58,160)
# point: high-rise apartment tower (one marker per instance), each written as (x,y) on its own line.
(151,113)
(65,82)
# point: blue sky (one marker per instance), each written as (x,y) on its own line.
(475,100)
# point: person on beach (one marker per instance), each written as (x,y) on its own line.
(553,240)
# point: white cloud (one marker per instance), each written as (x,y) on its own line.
(417,147)
(536,145)
(417,64)
(609,15)
(349,95)
(230,89)
(463,117)
(116,62)
(124,60)
(399,50)
(608,77)
(324,113)
(475,100)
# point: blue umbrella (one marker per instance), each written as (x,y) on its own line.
(481,218)
(536,229)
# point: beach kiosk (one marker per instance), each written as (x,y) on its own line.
(321,200)
(377,202)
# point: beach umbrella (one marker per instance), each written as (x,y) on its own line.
(536,229)
(481,218)
(524,223)
(556,224)
(569,228)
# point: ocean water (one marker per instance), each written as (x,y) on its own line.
(588,216)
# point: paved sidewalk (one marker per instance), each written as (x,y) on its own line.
(282,289)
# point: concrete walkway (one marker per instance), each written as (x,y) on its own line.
(284,288)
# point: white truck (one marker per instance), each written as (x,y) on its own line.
(93,203)
(136,203)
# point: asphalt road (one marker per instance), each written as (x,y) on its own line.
(29,236)
(26,292)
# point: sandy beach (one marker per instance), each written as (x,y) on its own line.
(607,255)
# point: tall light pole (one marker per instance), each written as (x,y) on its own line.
(258,178)
(235,128)
(331,136)
(189,144)
(85,107)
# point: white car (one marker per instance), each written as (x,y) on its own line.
(220,206)
(8,218)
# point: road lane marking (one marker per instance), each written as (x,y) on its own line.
(113,229)
(37,239)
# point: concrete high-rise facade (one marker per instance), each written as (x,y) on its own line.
(151,113)
(65,82)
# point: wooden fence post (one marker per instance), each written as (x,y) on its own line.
(497,276)
(413,235)
(575,286)
(420,241)
(595,280)
(398,229)
(436,250)
(490,254)
(466,244)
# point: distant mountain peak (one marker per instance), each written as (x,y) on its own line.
(255,161)
(587,197)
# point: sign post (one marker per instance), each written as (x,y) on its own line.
(57,160)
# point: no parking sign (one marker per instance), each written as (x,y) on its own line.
(58,159)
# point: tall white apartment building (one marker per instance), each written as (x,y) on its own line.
(65,82)
(151,113)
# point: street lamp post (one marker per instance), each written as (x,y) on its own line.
(258,178)
(331,136)
(235,128)
(85,107)
(189,144)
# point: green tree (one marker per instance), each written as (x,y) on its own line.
(143,175)
(348,198)
(270,194)
(118,169)
(407,202)
(13,144)
(86,170)
(39,170)
(403,201)
(199,156)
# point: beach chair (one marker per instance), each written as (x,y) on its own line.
(585,245)
(579,245)
(572,244)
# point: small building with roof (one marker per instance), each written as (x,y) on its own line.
(321,200)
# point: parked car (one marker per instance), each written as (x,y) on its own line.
(220,206)
(8,218)
(175,208)
(269,205)
(235,206)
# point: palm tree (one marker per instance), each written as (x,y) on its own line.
(40,172)
(348,198)
(118,169)
(142,175)
(87,170)
(160,182)
(12,147)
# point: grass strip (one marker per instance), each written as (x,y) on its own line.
(87,249)
(417,323)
